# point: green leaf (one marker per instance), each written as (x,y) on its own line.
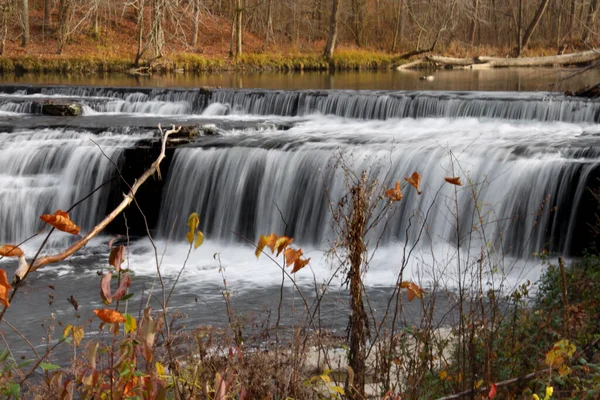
(127,296)
(130,324)
(49,367)
(23,364)
(14,389)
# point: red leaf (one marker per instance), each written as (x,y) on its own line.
(122,289)
(492,392)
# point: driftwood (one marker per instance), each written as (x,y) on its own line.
(591,92)
(564,59)
(411,64)
(62,110)
(483,62)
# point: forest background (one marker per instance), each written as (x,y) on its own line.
(209,35)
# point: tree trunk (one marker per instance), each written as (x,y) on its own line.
(4,8)
(158,36)
(196,23)
(333,30)
(269,28)
(140,26)
(534,23)
(25,22)
(239,28)
(589,20)
(47,23)
(474,22)
(64,9)
(398,25)
(520,29)
(572,16)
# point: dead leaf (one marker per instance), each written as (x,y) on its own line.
(412,290)
(415,181)
(10,250)
(105,291)
(453,180)
(281,243)
(122,289)
(395,193)
(291,256)
(61,221)
(4,288)
(77,335)
(110,316)
(117,257)
(299,264)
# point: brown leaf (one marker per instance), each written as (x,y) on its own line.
(10,250)
(110,316)
(122,289)
(117,257)
(61,221)
(395,193)
(299,264)
(415,181)
(4,288)
(454,180)
(262,241)
(105,291)
(291,256)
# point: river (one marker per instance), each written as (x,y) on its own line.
(526,153)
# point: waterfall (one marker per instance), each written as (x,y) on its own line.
(44,170)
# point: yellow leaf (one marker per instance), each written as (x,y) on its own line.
(479,383)
(77,335)
(564,370)
(262,241)
(338,389)
(412,290)
(61,221)
(160,369)
(281,243)
(67,330)
(455,180)
(415,181)
(199,239)
(443,375)
(4,288)
(325,378)
(130,324)
(193,222)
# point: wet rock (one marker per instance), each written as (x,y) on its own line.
(62,110)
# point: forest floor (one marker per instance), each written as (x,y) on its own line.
(113,49)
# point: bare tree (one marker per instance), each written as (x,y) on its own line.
(534,23)
(25,22)
(333,30)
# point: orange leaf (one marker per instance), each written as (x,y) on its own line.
(4,288)
(10,250)
(281,243)
(266,241)
(299,264)
(492,392)
(394,194)
(60,220)
(412,290)
(415,181)
(291,256)
(454,180)
(110,316)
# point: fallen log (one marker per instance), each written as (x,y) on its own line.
(451,61)
(411,64)
(564,59)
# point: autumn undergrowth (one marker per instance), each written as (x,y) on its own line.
(456,329)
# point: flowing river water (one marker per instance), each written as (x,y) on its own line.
(526,153)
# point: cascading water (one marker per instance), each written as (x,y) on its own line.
(530,157)
(45,170)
